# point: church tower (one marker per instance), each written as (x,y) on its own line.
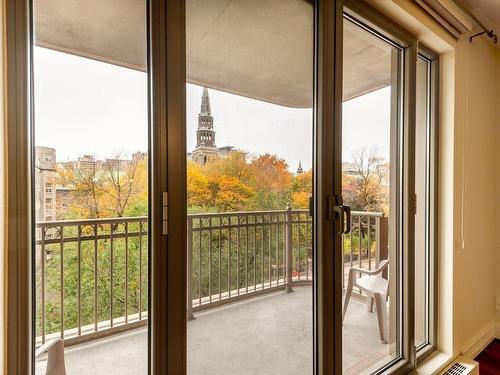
(206,149)
(299,169)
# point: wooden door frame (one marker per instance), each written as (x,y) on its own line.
(168,68)
(327,182)
(16,63)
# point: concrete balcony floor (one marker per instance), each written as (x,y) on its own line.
(269,334)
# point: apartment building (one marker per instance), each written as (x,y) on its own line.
(45,183)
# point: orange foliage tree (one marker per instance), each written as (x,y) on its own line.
(271,181)
(237,182)
(302,190)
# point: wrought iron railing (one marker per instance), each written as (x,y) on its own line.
(92,274)
(235,254)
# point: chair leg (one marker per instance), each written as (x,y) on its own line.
(347,296)
(55,360)
(369,303)
(381,316)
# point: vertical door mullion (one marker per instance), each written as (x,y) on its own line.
(168,154)
(18,152)
(158,184)
(327,182)
(177,199)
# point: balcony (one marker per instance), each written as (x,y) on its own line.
(242,268)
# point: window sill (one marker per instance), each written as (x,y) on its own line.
(433,364)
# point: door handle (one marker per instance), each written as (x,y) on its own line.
(338,210)
(348,219)
(340,214)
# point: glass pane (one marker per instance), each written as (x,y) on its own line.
(370,184)
(422,190)
(90,170)
(249,179)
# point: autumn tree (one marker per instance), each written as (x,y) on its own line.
(218,185)
(198,194)
(228,193)
(365,189)
(270,179)
(86,190)
(234,165)
(113,188)
(124,183)
(237,182)
(302,189)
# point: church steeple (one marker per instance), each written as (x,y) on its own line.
(299,169)
(205,104)
(205,135)
(205,149)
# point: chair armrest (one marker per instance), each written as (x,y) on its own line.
(46,347)
(364,270)
(381,267)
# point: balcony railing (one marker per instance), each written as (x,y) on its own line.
(92,274)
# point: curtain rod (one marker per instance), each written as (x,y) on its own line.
(489,32)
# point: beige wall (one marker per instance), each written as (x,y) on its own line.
(475,190)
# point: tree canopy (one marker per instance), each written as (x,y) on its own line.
(237,182)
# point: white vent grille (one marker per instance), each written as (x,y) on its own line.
(462,366)
(456,369)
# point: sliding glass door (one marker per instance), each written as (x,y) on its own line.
(371,187)
(378,193)
(91,185)
(249,129)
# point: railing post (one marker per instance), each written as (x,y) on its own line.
(382,240)
(377,241)
(190,269)
(288,247)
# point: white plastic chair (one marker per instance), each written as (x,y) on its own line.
(376,288)
(55,358)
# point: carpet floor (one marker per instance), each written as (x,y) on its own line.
(489,359)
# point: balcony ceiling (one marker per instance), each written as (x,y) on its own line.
(276,69)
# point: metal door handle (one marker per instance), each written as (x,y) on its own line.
(337,209)
(347,211)
(340,214)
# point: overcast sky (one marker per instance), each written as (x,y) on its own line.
(87,107)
